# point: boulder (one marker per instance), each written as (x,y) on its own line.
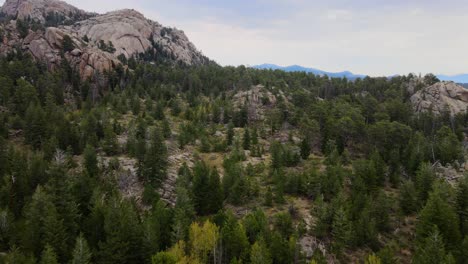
(440,97)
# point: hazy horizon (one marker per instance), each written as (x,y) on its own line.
(365,37)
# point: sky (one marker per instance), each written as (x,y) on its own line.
(374,37)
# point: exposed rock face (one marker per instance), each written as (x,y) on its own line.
(127,31)
(38,9)
(440,97)
(257,99)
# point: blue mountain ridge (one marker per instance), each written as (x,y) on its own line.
(461,78)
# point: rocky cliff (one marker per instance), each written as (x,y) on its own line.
(440,97)
(98,42)
(39,9)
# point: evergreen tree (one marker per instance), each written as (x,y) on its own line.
(448,147)
(216,192)
(207,192)
(340,229)
(276,155)
(423,182)
(440,213)
(166,128)
(123,234)
(67,44)
(156,228)
(408,198)
(230,134)
(35,131)
(305,149)
(154,166)
(246,139)
(432,250)
(184,213)
(48,256)
(462,204)
(90,161)
(43,225)
(25,95)
(81,252)
(254,136)
(234,240)
(110,144)
(259,254)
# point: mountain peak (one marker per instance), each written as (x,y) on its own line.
(39,9)
(99,42)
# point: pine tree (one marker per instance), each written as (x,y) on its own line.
(48,256)
(110,144)
(207,192)
(234,239)
(276,155)
(255,136)
(408,198)
(123,234)
(156,228)
(154,166)
(67,44)
(184,213)
(60,189)
(216,192)
(448,147)
(423,182)
(166,128)
(340,229)
(44,225)
(259,254)
(432,250)
(305,149)
(90,161)
(81,252)
(462,204)
(35,129)
(230,134)
(246,139)
(440,213)
(25,95)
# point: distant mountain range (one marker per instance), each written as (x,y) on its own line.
(461,78)
(297,68)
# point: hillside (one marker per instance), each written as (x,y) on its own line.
(158,158)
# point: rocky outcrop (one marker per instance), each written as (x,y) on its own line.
(99,40)
(440,97)
(39,9)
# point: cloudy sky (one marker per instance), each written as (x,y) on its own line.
(375,37)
